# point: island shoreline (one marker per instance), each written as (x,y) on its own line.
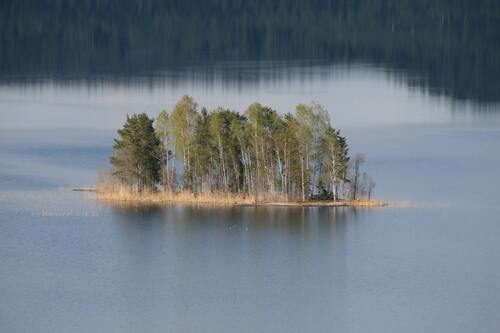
(215,199)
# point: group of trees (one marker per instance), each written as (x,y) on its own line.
(259,153)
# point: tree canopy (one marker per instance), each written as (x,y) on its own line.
(136,159)
(259,152)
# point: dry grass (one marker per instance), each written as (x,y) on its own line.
(176,197)
(345,203)
(354,203)
(125,196)
(364,203)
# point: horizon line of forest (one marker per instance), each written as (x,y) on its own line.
(260,153)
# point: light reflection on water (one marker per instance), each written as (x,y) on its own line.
(182,268)
(71,263)
(413,84)
(347,91)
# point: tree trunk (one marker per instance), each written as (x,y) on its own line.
(302,179)
(223,162)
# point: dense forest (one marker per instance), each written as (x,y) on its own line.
(292,157)
(448,47)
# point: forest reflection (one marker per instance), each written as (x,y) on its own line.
(448,48)
(217,219)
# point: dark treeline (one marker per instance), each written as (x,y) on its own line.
(450,47)
(291,157)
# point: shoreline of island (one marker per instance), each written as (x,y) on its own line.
(224,157)
(220,199)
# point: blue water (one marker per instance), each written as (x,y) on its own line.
(429,263)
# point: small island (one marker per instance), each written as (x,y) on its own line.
(260,157)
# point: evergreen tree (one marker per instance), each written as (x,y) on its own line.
(202,151)
(259,153)
(241,139)
(220,132)
(137,153)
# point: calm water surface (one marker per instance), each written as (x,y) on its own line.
(413,84)
(70,263)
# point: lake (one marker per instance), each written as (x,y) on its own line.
(428,262)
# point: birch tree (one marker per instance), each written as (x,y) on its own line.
(163,129)
(183,123)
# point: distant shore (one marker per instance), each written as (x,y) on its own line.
(221,199)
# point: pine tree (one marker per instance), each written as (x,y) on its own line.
(259,153)
(202,151)
(137,154)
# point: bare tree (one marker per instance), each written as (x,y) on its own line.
(358,160)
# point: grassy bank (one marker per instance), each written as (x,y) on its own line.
(227,199)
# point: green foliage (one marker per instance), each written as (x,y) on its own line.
(163,126)
(163,129)
(263,123)
(136,158)
(228,159)
(202,151)
(183,121)
(335,160)
(260,153)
